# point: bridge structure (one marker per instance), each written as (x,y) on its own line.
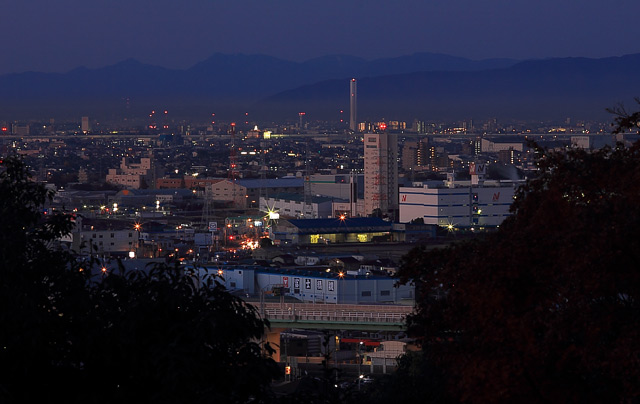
(364,317)
(309,316)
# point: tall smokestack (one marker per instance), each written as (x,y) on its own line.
(353,104)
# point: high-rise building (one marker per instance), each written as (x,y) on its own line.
(416,154)
(422,155)
(381,173)
(353,105)
(85,127)
(409,156)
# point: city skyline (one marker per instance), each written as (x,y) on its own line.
(57,37)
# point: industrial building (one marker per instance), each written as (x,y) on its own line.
(314,286)
(330,231)
(294,205)
(455,204)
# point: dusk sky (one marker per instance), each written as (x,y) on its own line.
(55,36)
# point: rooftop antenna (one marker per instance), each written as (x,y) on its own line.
(165,124)
(300,116)
(152,121)
(233,162)
(307,211)
(264,190)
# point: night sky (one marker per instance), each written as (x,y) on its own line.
(55,36)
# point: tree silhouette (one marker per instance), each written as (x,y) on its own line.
(69,335)
(625,120)
(547,308)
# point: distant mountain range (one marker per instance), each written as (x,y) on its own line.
(423,85)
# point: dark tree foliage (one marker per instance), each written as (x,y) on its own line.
(415,380)
(266,242)
(546,309)
(625,120)
(155,336)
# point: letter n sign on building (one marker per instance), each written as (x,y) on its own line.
(285,281)
(477,168)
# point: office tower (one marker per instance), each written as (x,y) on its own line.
(85,127)
(353,105)
(381,174)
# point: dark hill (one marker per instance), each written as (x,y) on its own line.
(227,82)
(428,86)
(542,89)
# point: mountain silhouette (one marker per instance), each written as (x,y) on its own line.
(529,90)
(422,85)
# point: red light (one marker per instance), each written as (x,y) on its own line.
(4,129)
(233,124)
(383,126)
(166,112)
(230,237)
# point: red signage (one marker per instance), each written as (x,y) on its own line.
(285,281)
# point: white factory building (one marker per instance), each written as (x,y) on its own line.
(457,203)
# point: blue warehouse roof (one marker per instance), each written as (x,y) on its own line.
(336,225)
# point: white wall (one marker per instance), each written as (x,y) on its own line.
(453,206)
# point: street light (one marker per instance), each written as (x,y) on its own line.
(137,227)
(360,375)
